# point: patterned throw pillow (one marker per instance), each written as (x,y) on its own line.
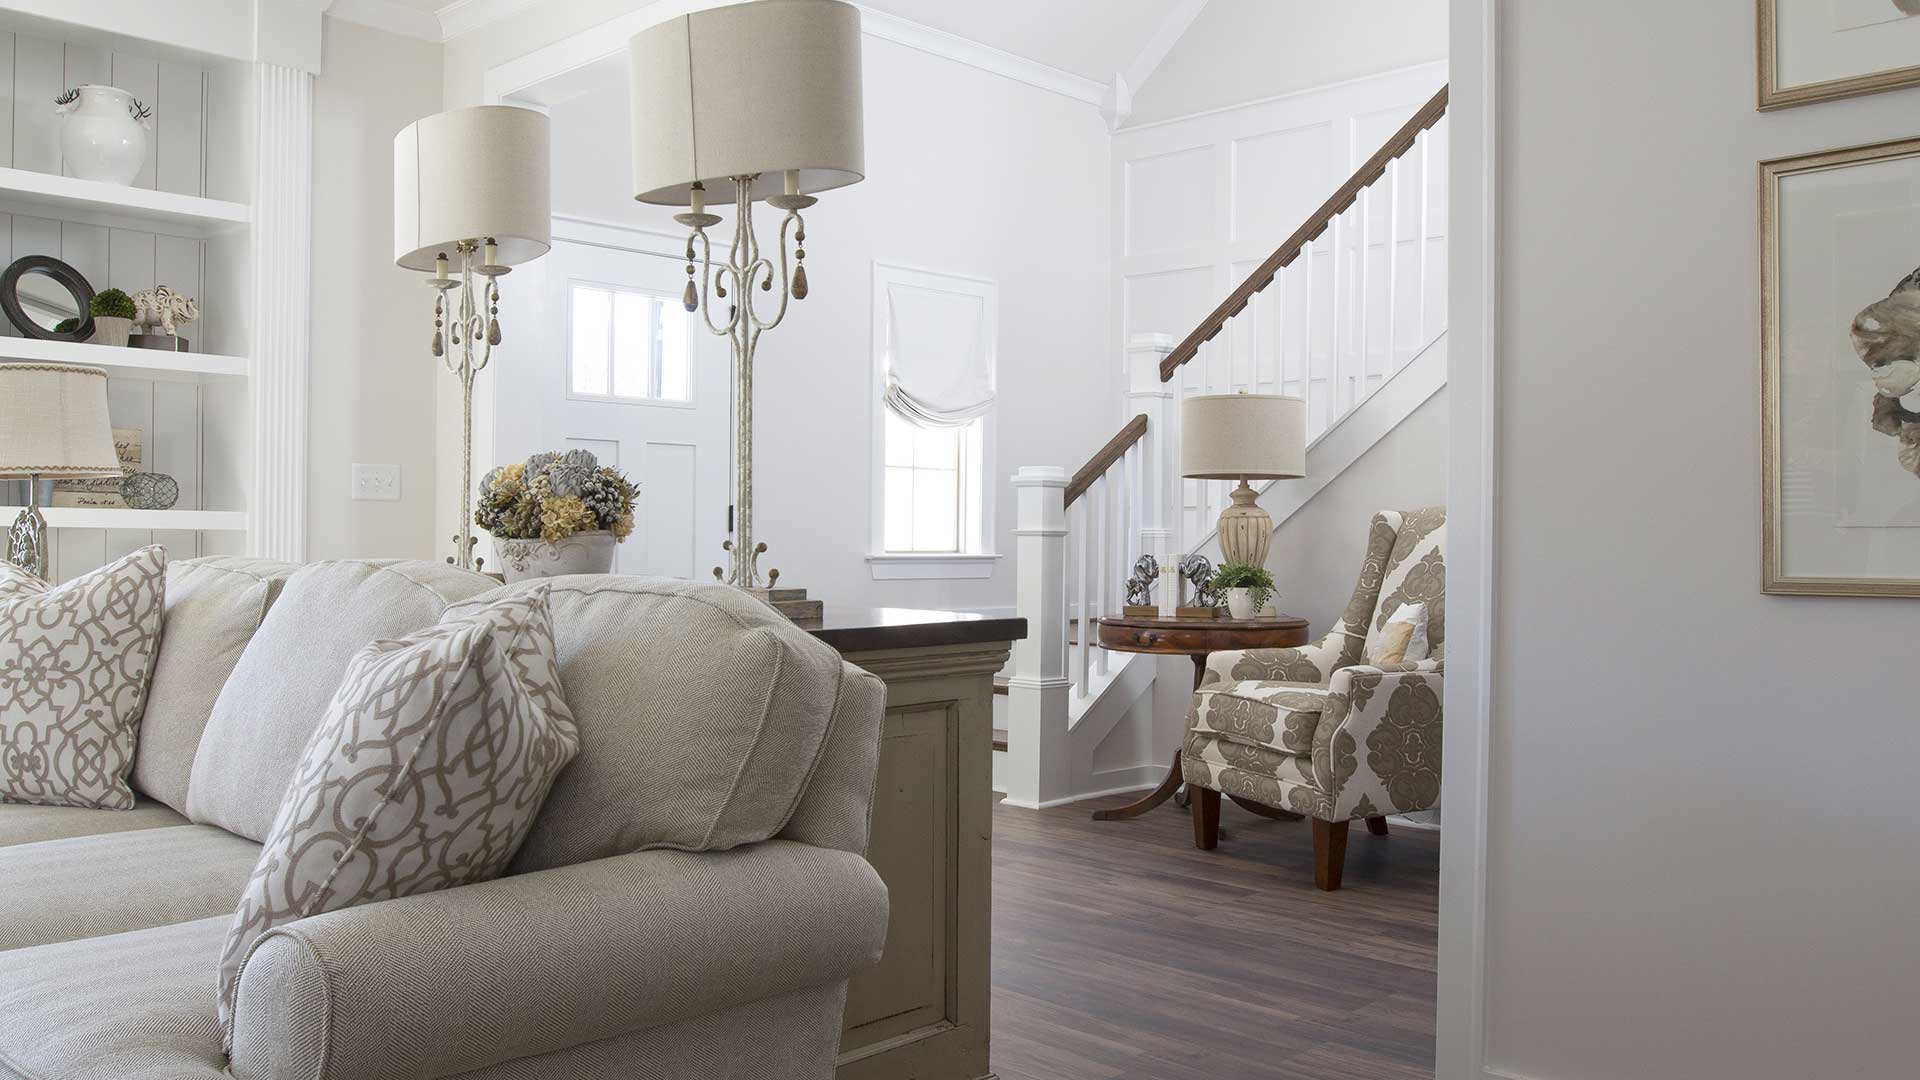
(425,773)
(74,664)
(1402,638)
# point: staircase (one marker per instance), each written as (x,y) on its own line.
(1337,330)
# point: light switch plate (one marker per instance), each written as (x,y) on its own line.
(380,483)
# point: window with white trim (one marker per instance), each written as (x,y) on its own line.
(627,345)
(934,344)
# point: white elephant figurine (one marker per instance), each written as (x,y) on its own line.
(161,310)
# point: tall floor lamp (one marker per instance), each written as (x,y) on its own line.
(53,426)
(761,101)
(470,184)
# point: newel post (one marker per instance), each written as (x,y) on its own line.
(1159,464)
(1037,743)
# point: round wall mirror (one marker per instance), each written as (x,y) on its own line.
(47,299)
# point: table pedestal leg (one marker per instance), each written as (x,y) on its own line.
(1170,786)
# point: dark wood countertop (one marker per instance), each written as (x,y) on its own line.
(852,630)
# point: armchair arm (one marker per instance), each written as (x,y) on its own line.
(1306,664)
(1376,750)
(447,982)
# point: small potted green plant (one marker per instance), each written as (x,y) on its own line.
(1247,588)
(556,513)
(112,312)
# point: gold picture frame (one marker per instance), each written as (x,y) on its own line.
(1774,578)
(1774,96)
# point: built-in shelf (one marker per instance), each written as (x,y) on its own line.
(82,200)
(126,362)
(71,517)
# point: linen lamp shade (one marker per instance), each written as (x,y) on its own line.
(1236,436)
(471,174)
(1242,437)
(53,422)
(748,90)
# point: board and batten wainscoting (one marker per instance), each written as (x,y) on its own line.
(922,1012)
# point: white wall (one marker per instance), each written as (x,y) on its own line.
(1316,553)
(1702,831)
(1238,51)
(372,382)
(968,173)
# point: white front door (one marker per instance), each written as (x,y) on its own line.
(624,371)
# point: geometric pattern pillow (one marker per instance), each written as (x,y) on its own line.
(74,664)
(425,774)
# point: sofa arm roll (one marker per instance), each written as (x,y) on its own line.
(447,982)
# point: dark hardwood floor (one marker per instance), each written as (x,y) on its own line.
(1121,952)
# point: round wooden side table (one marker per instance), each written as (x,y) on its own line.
(1195,638)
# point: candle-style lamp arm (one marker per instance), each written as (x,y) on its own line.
(469,328)
(745,268)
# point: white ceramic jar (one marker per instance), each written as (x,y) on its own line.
(103,135)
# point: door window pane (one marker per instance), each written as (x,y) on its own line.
(587,360)
(676,362)
(632,345)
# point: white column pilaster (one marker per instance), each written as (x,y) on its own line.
(281,268)
(1038,759)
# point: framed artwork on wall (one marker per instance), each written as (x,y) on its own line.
(1840,372)
(1819,50)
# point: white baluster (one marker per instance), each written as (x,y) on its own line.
(1102,564)
(1423,139)
(1365,207)
(1082,528)
(1393,264)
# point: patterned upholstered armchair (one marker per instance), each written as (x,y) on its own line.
(1316,730)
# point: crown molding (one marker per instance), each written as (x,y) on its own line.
(389,16)
(915,35)
(1168,34)
(466,16)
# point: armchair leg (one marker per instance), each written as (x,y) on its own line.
(1206,818)
(1329,853)
(1377,826)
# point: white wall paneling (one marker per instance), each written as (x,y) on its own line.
(1200,201)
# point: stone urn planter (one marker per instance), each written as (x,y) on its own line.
(582,553)
(103,133)
(108,330)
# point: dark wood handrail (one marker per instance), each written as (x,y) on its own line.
(1097,467)
(1283,256)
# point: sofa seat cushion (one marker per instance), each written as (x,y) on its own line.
(287,674)
(702,713)
(93,885)
(23,823)
(133,1006)
(1277,715)
(214,605)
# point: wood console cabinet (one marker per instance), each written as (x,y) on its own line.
(922,1012)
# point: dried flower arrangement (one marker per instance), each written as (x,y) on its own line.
(553,496)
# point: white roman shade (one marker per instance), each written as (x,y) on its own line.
(939,334)
(748,90)
(470,174)
(53,422)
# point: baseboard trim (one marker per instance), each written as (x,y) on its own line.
(1082,797)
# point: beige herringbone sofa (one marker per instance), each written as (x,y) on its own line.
(691,902)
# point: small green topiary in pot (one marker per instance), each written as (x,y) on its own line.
(111,304)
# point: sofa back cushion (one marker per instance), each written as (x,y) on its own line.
(701,712)
(213,607)
(288,673)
